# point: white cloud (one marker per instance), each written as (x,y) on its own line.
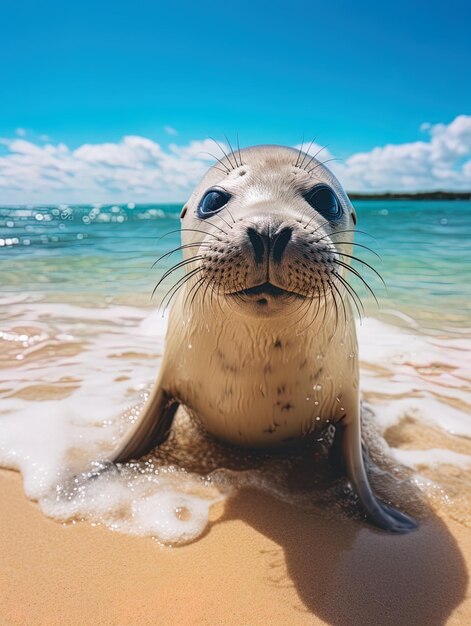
(135,168)
(21,132)
(441,162)
(170,130)
(139,169)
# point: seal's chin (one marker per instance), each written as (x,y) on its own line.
(264,300)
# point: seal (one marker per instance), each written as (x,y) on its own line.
(261,345)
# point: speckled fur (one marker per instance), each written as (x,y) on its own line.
(246,389)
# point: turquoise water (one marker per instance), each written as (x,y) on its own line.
(105,254)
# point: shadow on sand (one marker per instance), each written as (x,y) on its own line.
(347,573)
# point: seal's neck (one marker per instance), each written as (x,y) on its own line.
(308,326)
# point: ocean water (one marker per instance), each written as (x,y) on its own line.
(81,339)
(80,252)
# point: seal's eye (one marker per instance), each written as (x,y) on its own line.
(212,202)
(324,200)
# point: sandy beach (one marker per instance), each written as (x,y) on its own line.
(263,562)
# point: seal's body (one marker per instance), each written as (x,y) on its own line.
(259,383)
(261,346)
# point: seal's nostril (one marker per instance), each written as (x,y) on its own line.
(258,244)
(280,243)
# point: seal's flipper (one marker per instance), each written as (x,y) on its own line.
(152,428)
(336,456)
(380,514)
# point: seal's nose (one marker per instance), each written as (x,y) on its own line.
(258,241)
(272,244)
(280,242)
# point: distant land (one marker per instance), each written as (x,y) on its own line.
(419,195)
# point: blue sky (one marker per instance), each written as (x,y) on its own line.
(356,75)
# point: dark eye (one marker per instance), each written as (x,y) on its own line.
(212,202)
(324,200)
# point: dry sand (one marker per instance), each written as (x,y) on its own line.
(262,562)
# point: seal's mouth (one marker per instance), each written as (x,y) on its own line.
(266,289)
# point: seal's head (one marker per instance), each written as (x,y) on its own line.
(266,229)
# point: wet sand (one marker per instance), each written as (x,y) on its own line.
(262,562)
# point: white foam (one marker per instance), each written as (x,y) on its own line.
(173,517)
(106,357)
(416,375)
(52,441)
(431,457)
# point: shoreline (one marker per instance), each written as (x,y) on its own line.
(439,194)
(412,195)
(262,561)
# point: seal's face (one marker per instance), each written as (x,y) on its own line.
(267,228)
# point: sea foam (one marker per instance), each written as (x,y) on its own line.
(75,380)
